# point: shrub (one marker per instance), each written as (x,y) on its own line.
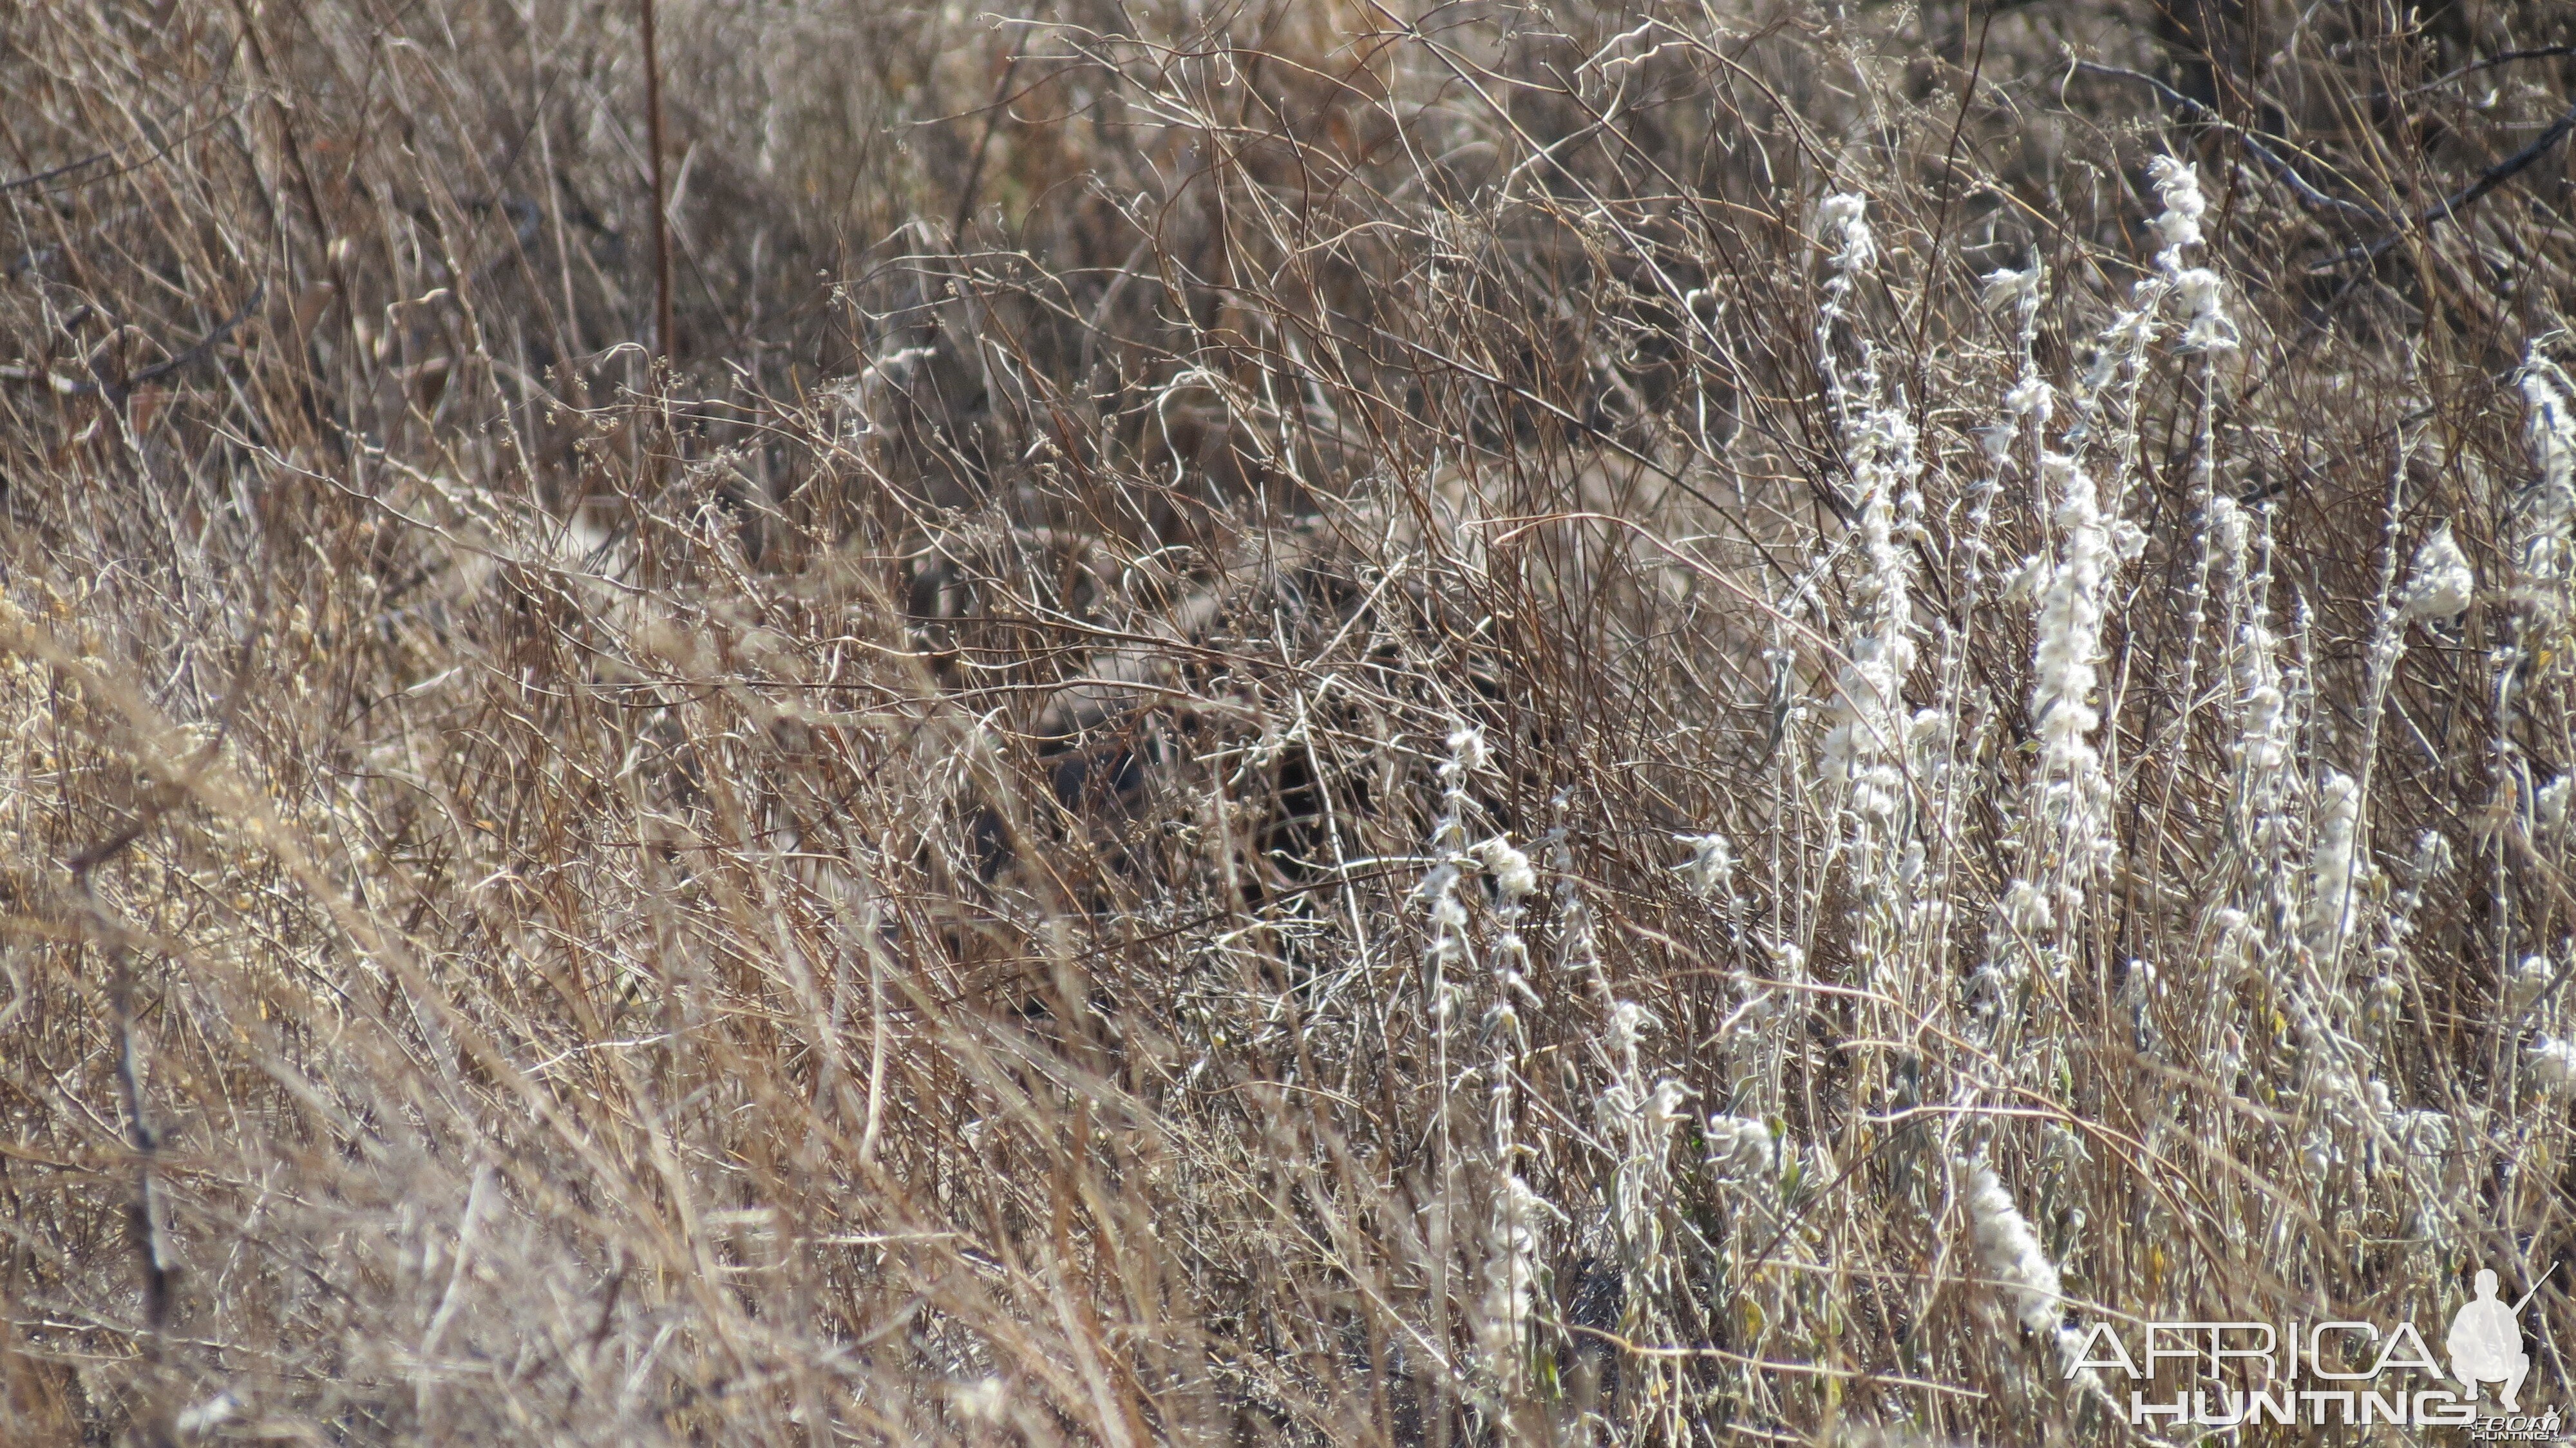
(1312,724)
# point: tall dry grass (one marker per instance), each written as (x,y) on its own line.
(1328,723)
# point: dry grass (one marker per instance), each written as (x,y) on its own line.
(1078,824)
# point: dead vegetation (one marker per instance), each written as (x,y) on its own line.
(1321,724)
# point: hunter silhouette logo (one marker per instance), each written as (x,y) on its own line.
(2486,1343)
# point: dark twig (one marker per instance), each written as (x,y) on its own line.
(117,389)
(2298,184)
(2490,63)
(165,148)
(143,1213)
(39,178)
(983,146)
(2494,177)
(2458,201)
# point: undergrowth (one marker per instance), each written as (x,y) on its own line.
(1318,724)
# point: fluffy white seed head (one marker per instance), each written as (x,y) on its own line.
(2336,869)
(985,1400)
(2026,579)
(202,1419)
(1627,1027)
(1845,227)
(2266,722)
(2423,1135)
(1514,880)
(1512,1247)
(2026,910)
(1739,1148)
(2012,1253)
(1467,753)
(2031,398)
(1664,1106)
(2074,794)
(2178,188)
(2203,298)
(2548,530)
(1866,711)
(2005,287)
(2550,422)
(1711,867)
(2553,1063)
(2443,583)
(2549,803)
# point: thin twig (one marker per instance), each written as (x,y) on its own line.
(983,146)
(2490,63)
(143,1212)
(165,148)
(2458,201)
(2298,184)
(663,342)
(117,389)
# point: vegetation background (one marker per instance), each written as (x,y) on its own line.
(1360,722)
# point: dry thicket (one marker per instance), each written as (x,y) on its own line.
(1347,722)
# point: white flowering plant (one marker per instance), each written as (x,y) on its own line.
(1623,724)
